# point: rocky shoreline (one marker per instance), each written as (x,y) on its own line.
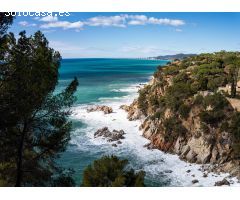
(193,149)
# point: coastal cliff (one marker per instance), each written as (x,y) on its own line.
(187,109)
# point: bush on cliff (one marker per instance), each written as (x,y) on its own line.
(214,105)
(173,129)
(235,130)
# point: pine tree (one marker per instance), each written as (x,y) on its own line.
(34,124)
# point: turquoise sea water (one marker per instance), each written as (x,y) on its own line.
(99,79)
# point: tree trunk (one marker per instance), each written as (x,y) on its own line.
(20,158)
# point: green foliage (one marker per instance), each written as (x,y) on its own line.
(173,129)
(234,129)
(217,103)
(198,100)
(181,77)
(171,70)
(210,76)
(176,93)
(64,179)
(109,171)
(142,99)
(184,110)
(34,125)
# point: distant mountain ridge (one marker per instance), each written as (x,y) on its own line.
(172,57)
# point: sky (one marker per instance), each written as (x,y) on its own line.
(133,35)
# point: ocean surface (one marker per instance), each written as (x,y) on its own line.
(114,82)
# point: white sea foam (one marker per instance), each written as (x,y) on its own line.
(154,162)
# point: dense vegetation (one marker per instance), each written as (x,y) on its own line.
(34,125)
(109,171)
(199,84)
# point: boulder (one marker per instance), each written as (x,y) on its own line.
(168,171)
(222,182)
(112,136)
(105,109)
(195,181)
(125,107)
(191,156)
(201,148)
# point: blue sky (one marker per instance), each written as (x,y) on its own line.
(135,34)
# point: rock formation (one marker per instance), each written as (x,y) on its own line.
(105,109)
(111,136)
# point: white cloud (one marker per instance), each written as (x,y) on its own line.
(26,24)
(165,21)
(117,21)
(137,19)
(109,21)
(48,18)
(63,24)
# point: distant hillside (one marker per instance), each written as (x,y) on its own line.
(172,57)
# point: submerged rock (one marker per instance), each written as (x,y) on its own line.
(105,109)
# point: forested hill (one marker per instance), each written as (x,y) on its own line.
(191,108)
(173,57)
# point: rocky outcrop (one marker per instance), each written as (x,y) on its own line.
(134,113)
(111,136)
(222,182)
(105,109)
(125,107)
(199,142)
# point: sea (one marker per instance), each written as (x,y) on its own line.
(115,82)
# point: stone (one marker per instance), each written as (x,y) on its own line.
(205,175)
(168,171)
(125,107)
(201,148)
(114,145)
(222,182)
(112,136)
(185,150)
(195,181)
(188,171)
(191,156)
(105,109)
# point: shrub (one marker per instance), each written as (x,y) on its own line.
(109,171)
(184,111)
(171,70)
(216,100)
(235,131)
(181,77)
(198,99)
(176,94)
(173,129)
(142,99)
